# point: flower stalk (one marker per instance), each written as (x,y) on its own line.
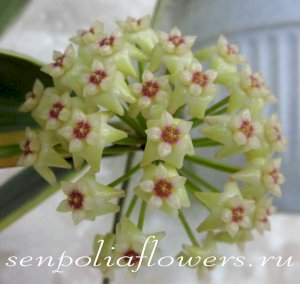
(142,213)
(213,164)
(187,228)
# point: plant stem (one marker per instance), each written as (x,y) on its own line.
(218,105)
(142,215)
(205,53)
(192,187)
(141,69)
(187,229)
(131,206)
(142,121)
(220,111)
(211,110)
(126,181)
(201,181)
(131,140)
(212,164)
(127,175)
(204,142)
(119,150)
(133,123)
(155,16)
(178,112)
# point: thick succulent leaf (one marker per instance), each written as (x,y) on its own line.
(9,11)
(17,75)
(23,192)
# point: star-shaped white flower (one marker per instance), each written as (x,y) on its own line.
(262,212)
(87,136)
(175,42)
(37,151)
(246,131)
(168,139)
(100,79)
(273,132)
(152,96)
(173,51)
(114,48)
(31,147)
(229,210)
(108,44)
(229,52)
(195,88)
(33,97)
(62,62)
(107,244)
(105,86)
(139,32)
(199,82)
(53,109)
(87,199)
(89,36)
(236,214)
(81,130)
(130,242)
(133,25)
(200,253)
(163,188)
(255,85)
(271,176)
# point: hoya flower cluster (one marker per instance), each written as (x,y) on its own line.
(138,89)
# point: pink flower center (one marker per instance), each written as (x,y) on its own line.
(97,77)
(265,219)
(255,82)
(75,199)
(59,61)
(237,214)
(32,95)
(81,130)
(131,257)
(150,89)
(163,188)
(91,30)
(55,110)
(231,49)
(200,78)
(247,129)
(109,40)
(176,40)
(170,134)
(278,133)
(27,150)
(275,175)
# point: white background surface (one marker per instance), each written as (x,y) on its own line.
(44,26)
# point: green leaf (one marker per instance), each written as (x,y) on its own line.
(9,10)
(9,151)
(157,13)
(17,75)
(23,192)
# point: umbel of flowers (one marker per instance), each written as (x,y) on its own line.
(142,90)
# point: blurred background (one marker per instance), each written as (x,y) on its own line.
(268,34)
